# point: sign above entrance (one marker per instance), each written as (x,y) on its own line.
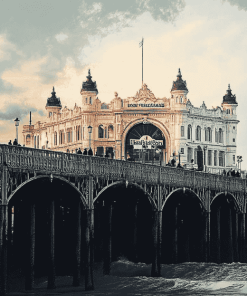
(146,105)
(145,142)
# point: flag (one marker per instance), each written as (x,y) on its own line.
(141,43)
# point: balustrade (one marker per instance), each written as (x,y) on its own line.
(56,162)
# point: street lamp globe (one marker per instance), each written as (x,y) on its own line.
(90,129)
(17,121)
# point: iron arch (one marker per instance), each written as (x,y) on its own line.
(153,204)
(231,195)
(83,200)
(183,189)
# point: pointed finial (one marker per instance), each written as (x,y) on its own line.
(53,91)
(89,72)
(229,86)
(179,72)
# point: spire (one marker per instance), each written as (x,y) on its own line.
(53,101)
(179,84)
(89,85)
(229,98)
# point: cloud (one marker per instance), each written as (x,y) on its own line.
(6,48)
(13,110)
(61,37)
(241,4)
(95,9)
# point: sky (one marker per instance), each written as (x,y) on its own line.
(54,43)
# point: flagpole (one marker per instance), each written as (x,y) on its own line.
(142,61)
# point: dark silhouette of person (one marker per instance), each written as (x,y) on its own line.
(85,151)
(79,151)
(90,151)
(96,154)
(237,174)
(106,154)
(10,143)
(233,173)
(15,142)
(173,161)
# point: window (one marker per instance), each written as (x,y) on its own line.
(189,155)
(208,134)
(28,140)
(195,155)
(182,150)
(221,158)
(220,135)
(110,131)
(86,100)
(228,111)
(209,157)
(182,131)
(215,158)
(106,132)
(198,133)
(216,136)
(100,132)
(37,141)
(233,140)
(90,100)
(234,127)
(34,141)
(55,138)
(50,114)
(189,132)
(233,159)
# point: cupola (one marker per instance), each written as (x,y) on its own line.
(229,98)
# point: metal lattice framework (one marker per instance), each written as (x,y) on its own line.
(47,162)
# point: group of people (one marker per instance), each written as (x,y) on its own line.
(232,173)
(15,143)
(90,152)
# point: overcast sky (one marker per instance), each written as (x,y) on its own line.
(54,43)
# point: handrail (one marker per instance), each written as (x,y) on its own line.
(56,162)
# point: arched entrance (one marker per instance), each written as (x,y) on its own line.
(145,143)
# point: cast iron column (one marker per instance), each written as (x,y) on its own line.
(29,278)
(175,255)
(230,236)
(108,240)
(3,233)
(51,258)
(218,236)
(157,236)
(77,265)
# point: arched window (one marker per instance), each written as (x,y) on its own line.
(28,140)
(110,131)
(221,135)
(198,133)
(209,134)
(106,132)
(86,100)
(37,141)
(90,100)
(34,141)
(228,111)
(100,132)
(189,132)
(55,138)
(216,136)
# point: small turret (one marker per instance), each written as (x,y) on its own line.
(229,98)
(179,90)
(89,91)
(53,104)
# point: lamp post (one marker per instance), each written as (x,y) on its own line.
(239,160)
(90,129)
(17,124)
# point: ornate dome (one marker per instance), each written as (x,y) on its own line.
(179,84)
(89,85)
(229,98)
(53,101)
